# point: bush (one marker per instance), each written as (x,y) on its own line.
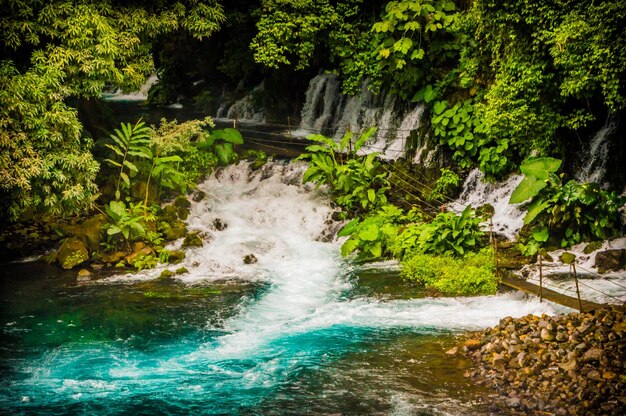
(470,275)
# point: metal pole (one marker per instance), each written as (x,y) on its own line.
(540,278)
(580,303)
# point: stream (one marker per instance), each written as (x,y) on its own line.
(301,331)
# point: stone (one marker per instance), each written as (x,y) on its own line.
(133,257)
(182,270)
(83,275)
(193,239)
(567,258)
(593,354)
(72,253)
(452,351)
(547,335)
(174,233)
(610,260)
(198,195)
(170,213)
(114,257)
(183,213)
(166,274)
(472,344)
(250,259)
(182,201)
(219,225)
(90,231)
(176,256)
(591,247)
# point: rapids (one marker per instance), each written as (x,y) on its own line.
(292,333)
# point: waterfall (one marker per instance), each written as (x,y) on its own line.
(507,219)
(595,157)
(245,108)
(141,95)
(328,111)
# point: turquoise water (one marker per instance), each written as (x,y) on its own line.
(302,331)
(158,348)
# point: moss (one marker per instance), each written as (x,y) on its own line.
(470,275)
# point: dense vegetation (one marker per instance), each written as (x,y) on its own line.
(503,82)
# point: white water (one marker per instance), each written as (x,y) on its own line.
(141,95)
(594,158)
(507,219)
(245,108)
(327,111)
(609,287)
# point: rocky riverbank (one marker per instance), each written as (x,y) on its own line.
(565,365)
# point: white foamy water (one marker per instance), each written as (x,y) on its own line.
(507,219)
(609,287)
(141,95)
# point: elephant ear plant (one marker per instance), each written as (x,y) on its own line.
(570,212)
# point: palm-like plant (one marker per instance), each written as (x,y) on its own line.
(129,141)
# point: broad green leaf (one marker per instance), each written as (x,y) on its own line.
(528,188)
(376,249)
(130,166)
(540,167)
(440,106)
(535,208)
(371,195)
(343,144)
(363,138)
(349,228)
(369,234)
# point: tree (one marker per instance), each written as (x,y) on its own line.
(56,50)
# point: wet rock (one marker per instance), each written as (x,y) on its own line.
(591,247)
(183,213)
(166,274)
(581,374)
(182,270)
(91,231)
(250,259)
(452,351)
(139,254)
(170,213)
(175,232)
(198,195)
(193,239)
(114,257)
(83,275)
(176,256)
(219,225)
(182,202)
(567,258)
(610,260)
(72,253)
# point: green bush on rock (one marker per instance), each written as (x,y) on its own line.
(472,274)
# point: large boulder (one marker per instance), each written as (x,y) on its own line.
(72,253)
(610,260)
(90,231)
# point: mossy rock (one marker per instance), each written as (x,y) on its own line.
(610,260)
(182,270)
(170,213)
(72,253)
(91,231)
(176,232)
(176,256)
(567,258)
(114,257)
(183,213)
(591,247)
(166,274)
(182,201)
(193,239)
(250,259)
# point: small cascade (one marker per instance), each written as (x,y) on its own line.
(141,95)
(507,219)
(245,108)
(595,157)
(322,102)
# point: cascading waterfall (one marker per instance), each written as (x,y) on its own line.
(245,108)
(302,323)
(329,112)
(595,157)
(507,219)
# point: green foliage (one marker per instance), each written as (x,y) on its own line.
(374,236)
(45,165)
(356,182)
(129,142)
(55,51)
(125,224)
(447,183)
(447,233)
(470,275)
(572,211)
